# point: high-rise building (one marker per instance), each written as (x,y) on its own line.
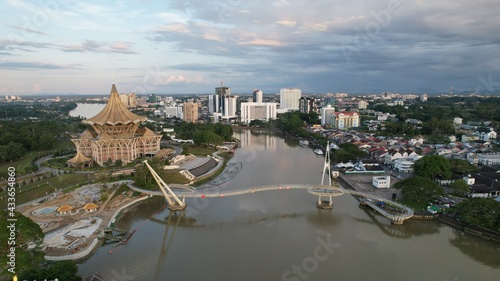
(222,104)
(327,114)
(307,105)
(257,96)
(257,111)
(129,100)
(329,100)
(289,98)
(190,112)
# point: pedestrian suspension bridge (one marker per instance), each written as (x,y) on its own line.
(394,211)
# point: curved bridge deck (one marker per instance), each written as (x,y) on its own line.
(320,190)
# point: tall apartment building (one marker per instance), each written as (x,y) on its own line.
(257,111)
(190,112)
(307,105)
(129,100)
(289,98)
(327,114)
(257,96)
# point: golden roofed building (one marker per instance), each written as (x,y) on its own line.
(114,134)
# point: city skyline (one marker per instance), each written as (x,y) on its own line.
(71,47)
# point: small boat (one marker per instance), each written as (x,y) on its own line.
(304,142)
(318,151)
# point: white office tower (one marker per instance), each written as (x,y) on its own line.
(257,111)
(229,107)
(327,114)
(257,96)
(289,99)
(213,104)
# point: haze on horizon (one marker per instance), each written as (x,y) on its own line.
(168,47)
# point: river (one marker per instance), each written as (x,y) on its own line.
(87,110)
(281,235)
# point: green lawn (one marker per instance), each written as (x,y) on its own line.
(173,176)
(200,150)
(40,188)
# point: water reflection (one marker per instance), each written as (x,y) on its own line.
(410,228)
(485,252)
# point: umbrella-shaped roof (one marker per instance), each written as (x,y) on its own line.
(115,112)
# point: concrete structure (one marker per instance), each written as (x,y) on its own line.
(488,159)
(327,115)
(257,111)
(114,134)
(344,119)
(222,105)
(307,105)
(403,165)
(289,98)
(382,182)
(174,111)
(190,112)
(129,100)
(257,96)
(362,104)
(423,97)
(457,121)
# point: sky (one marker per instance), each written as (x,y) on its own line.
(192,46)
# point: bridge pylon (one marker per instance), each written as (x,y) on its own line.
(174,203)
(326,204)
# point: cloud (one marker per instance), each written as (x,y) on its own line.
(287,23)
(27,29)
(29,65)
(100,47)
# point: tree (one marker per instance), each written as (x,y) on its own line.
(64,270)
(460,167)
(419,189)
(483,212)
(347,152)
(460,187)
(432,166)
(47,141)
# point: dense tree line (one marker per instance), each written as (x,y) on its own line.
(419,189)
(26,231)
(204,132)
(483,212)
(434,166)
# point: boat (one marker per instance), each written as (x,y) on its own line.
(318,151)
(304,142)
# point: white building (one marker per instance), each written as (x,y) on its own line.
(382,182)
(488,159)
(257,111)
(403,165)
(229,110)
(173,111)
(488,136)
(289,98)
(457,121)
(327,115)
(423,97)
(362,104)
(257,96)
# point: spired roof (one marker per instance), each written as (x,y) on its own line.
(79,158)
(115,112)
